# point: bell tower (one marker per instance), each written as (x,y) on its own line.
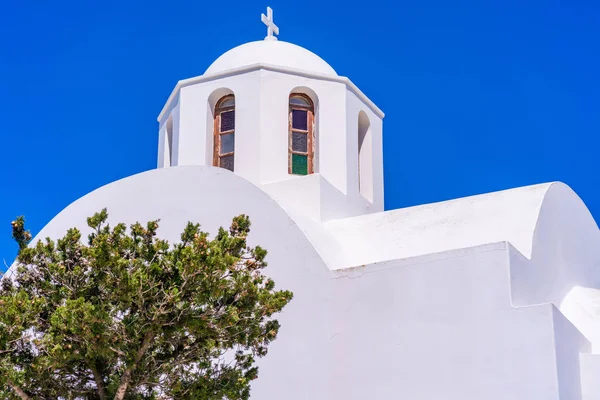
(281,117)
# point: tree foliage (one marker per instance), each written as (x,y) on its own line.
(129,316)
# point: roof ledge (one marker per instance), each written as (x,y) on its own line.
(268,67)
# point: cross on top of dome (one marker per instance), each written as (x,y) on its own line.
(272,29)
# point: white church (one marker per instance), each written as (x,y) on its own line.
(493,297)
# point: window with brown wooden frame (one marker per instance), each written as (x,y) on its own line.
(301,135)
(224,133)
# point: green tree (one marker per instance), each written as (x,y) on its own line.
(129,316)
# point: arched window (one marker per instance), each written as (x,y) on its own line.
(170,140)
(224,138)
(365,157)
(301,135)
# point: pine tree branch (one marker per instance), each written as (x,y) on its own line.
(126,378)
(20,392)
(98,379)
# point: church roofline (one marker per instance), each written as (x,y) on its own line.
(528,217)
(254,67)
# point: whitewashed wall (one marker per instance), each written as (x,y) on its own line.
(455,324)
(261,142)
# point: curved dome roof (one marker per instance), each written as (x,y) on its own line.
(272,52)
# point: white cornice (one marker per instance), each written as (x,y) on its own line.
(254,67)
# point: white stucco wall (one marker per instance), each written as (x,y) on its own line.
(353,108)
(548,224)
(590,370)
(494,296)
(212,197)
(441,327)
(274,52)
(454,320)
(569,343)
(168,153)
(261,138)
(509,215)
(330,125)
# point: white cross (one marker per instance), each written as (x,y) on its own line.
(271,27)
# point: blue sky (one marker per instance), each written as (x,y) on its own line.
(479,95)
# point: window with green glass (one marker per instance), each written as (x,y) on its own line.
(299,164)
(301,143)
(224,136)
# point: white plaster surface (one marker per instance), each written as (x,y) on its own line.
(274,52)
(495,296)
(455,320)
(590,384)
(261,137)
(509,215)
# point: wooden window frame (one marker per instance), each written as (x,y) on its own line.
(310,132)
(217,131)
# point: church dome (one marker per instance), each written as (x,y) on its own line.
(273,52)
